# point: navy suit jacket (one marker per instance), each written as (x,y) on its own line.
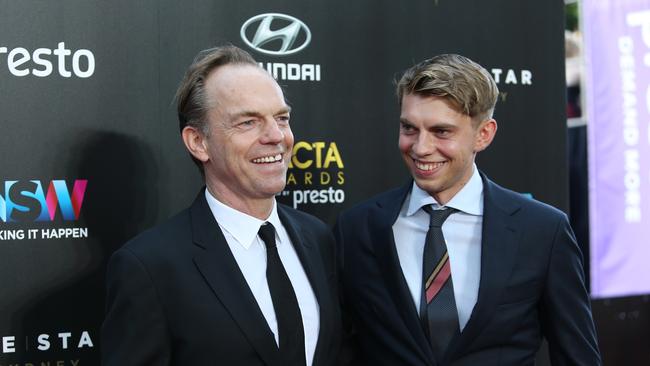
(531,286)
(176,296)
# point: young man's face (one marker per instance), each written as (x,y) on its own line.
(439,144)
(250,142)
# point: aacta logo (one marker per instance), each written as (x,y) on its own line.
(43,61)
(315,174)
(25,201)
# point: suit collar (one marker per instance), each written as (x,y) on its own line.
(383,217)
(310,257)
(220,270)
(241,226)
(498,197)
(392,201)
(499,245)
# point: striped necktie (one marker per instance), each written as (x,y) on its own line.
(438,312)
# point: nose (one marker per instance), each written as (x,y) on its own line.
(272,133)
(423,145)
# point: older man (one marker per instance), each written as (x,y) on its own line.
(235,279)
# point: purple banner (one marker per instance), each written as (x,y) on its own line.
(617,53)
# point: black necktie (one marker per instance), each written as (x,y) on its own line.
(285,304)
(437,306)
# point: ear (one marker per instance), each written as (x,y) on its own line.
(485,134)
(195,143)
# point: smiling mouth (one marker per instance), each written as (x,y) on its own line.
(428,166)
(268,159)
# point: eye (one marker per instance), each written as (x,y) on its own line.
(442,132)
(283,119)
(247,123)
(406,128)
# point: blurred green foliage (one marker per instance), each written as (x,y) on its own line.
(571,16)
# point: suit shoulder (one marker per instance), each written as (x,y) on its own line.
(305,219)
(372,202)
(160,238)
(530,205)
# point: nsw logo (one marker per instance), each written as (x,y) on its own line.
(275,34)
(26,201)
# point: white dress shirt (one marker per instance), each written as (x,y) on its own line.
(462,231)
(240,231)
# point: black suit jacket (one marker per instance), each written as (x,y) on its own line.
(176,296)
(531,285)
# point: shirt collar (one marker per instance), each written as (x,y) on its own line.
(241,226)
(468,200)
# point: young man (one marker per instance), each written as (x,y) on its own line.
(236,279)
(452,269)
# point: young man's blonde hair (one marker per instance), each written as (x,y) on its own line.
(464,83)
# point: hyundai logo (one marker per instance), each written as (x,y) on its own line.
(291,36)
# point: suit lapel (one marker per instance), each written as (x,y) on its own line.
(498,249)
(219,268)
(382,237)
(310,258)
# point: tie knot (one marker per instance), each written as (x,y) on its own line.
(267,233)
(438,217)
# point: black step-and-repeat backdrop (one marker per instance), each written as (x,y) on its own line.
(91,154)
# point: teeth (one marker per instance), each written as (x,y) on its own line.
(268,159)
(428,166)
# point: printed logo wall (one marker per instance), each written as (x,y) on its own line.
(316,178)
(92,156)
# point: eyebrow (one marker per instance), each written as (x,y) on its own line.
(245,113)
(446,125)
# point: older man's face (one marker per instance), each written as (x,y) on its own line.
(250,141)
